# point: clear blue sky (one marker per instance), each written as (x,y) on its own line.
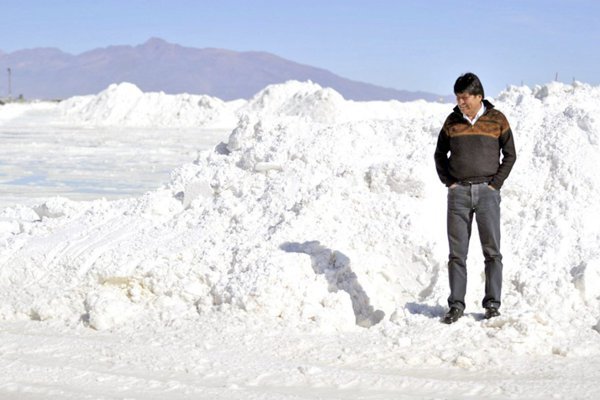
(412,45)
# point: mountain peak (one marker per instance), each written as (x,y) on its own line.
(154,42)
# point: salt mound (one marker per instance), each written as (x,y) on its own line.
(311,102)
(335,224)
(297,99)
(125,104)
(274,225)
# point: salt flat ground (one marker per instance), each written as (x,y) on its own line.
(90,163)
(229,359)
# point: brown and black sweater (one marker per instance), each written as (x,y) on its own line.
(475,149)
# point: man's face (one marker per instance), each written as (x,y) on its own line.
(469,104)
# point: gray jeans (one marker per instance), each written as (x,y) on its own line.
(483,202)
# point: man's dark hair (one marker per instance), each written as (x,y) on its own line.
(468,83)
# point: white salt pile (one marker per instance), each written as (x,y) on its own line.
(325,213)
(125,104)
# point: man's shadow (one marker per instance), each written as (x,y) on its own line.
(425,309)
(336,268)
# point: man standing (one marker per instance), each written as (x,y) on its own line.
(474,134)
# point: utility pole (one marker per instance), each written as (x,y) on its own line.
(9,83)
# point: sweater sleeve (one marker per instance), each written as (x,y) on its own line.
(441,158)
(509,156)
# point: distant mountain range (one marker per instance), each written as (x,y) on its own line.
(49,73)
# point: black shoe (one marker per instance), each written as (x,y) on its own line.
(491,312)
(453,315)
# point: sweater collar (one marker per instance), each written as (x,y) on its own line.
(488,106)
